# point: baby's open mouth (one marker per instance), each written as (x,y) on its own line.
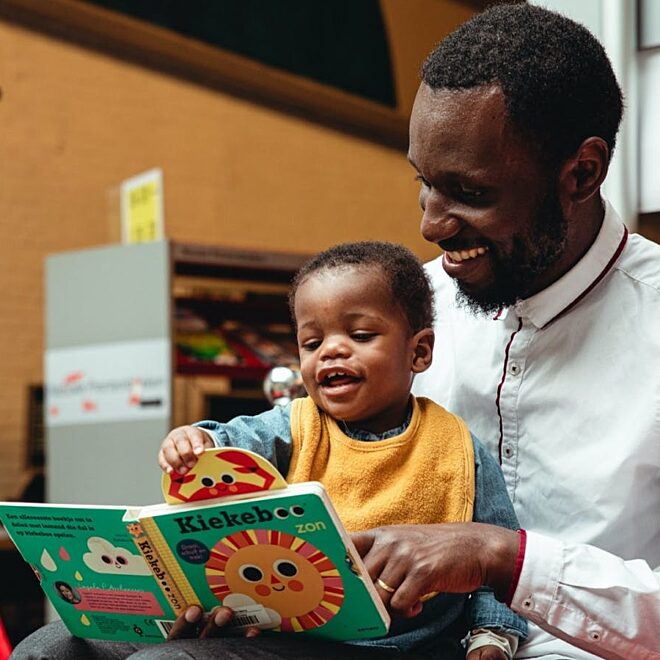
(337,378)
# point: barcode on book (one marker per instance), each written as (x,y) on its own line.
(252,615)
(245,616)
(164,626)
(246,620)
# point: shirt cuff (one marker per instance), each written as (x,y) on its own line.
(212,435)
(538,577)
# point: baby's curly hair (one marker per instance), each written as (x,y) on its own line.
(556,78)
(408,281)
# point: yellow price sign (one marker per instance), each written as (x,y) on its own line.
(141,206)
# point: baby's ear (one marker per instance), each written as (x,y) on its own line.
(422,350)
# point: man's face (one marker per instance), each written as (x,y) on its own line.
(487,201)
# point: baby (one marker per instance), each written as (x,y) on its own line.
(363,314)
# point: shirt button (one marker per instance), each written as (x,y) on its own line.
(528,603)
(514,368)
(508,451)
(594,635)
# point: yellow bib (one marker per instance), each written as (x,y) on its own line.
(424,475)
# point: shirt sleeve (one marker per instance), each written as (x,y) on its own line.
(492,505)
(590,598)
(268,434)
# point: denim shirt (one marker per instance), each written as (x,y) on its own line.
(269,434)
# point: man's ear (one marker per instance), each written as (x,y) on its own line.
(422,350)
(581,176)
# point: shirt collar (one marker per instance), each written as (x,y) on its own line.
(569,289)
(362,434)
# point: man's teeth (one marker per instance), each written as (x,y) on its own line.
(462,255)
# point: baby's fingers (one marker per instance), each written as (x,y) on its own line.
(181,448)
(199,440)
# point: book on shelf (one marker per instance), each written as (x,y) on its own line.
(231,532)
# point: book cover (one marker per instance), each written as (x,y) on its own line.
(231,532)
(90,569)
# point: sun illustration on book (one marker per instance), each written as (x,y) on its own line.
(281,572)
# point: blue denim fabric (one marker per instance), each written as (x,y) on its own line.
(269,434)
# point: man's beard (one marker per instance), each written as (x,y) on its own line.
(515,274)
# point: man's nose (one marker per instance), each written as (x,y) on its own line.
(439,222)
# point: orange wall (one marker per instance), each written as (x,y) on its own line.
(74,123)
(415,27)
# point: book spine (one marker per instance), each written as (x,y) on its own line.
(165,568)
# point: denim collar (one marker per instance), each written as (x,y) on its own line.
(368,436)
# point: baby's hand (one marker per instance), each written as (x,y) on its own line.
(181,449)
(488,652)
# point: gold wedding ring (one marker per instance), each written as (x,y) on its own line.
(385,586)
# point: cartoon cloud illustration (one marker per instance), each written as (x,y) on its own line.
(104,557)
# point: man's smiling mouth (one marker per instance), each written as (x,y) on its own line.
(463,255)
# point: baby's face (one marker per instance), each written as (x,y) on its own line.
(356,348)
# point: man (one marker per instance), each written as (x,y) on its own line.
(547,336)
(552,355)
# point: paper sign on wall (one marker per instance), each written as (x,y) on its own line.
(141,207)
(108,382)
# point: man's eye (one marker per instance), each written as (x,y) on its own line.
(470,194)
(420,179)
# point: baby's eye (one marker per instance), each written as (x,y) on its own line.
(311,345)
(363,336)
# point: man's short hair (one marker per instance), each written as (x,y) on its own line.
(401,269)
(557,81)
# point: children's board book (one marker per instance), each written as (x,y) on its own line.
(232,532)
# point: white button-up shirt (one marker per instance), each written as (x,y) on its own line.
(564,388)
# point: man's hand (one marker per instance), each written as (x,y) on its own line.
(414,561)
(192,624)
(181,449)
(487,653)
